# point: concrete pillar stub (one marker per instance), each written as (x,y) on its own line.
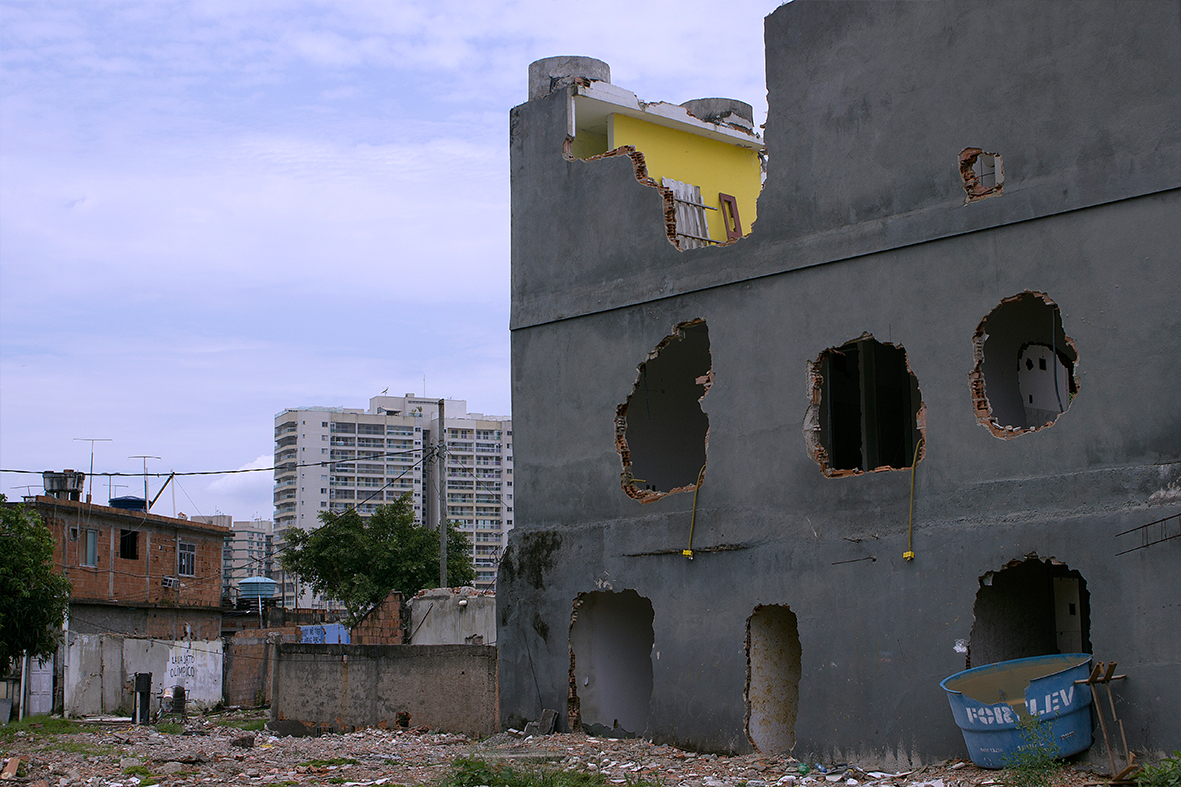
(550,73)
(721,110)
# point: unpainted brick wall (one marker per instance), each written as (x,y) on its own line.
(249,664)
(114,578)
(383,624)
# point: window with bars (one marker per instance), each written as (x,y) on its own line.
(186,559)
(692,230)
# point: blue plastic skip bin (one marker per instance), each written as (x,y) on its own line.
(987,702)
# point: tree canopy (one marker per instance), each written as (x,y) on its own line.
(33,599)
(359,561)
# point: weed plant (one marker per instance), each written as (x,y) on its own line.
(1035,763)
(1166,773)
(472,772)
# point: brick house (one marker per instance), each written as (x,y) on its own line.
(146,584)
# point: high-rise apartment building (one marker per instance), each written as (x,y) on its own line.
(335,458)
(248,550)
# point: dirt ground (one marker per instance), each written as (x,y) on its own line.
(110,755)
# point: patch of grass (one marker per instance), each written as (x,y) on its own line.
(41,725)
(326,763)
(145,776)
(1035,763)
(471,772)
(249,725)
(336,780)
(1166,773)
(78,747)
(170,728)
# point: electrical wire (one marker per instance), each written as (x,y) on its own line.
(284,466)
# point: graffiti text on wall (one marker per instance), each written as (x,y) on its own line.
(182,664)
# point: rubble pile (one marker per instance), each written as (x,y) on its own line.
(206,753)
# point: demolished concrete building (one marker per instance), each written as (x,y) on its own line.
(776,484)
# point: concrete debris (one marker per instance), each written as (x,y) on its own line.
(207,754)
(243,742)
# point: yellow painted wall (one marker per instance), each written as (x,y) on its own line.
(587,144)
(699,161)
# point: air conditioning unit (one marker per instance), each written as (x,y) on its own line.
(170,582)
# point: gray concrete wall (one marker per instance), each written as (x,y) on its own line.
(449,688)
(862,228)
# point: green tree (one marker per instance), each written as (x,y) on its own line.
(33,599)
(359,561)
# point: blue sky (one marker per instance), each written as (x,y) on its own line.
(212,211)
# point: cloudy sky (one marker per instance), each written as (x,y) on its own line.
(213,211)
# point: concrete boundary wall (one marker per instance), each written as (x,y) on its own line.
(449,688)
(100,669)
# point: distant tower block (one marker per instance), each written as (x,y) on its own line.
(550,73)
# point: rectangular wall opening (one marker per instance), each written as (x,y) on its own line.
(611,642)
(773,678)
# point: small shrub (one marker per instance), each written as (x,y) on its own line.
(1166,773)
(1035,762)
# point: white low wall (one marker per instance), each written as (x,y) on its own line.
(100,670)
(453,616)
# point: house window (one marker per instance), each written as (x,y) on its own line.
(186,562)
(692,230)
(866,406)
(90,547)
(129,544)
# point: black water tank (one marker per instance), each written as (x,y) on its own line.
(129,503)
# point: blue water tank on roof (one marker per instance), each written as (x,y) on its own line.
(256,588)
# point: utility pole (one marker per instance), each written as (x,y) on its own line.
(440,463)
(145,458)
(90,478)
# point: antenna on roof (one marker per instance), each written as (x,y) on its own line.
(92,441)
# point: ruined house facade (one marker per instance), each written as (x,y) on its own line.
(772,490)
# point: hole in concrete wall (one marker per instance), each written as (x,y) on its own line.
(983,174)
(1025,374)
(611,663)
(866,412)
(772,678)
(661,431)
(1030,608)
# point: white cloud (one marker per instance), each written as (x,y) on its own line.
(213,211)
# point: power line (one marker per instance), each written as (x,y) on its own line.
(368,457)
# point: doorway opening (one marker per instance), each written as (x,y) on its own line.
(1032,607)
(611,642)
(772,678)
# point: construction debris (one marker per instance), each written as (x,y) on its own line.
(206,753)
